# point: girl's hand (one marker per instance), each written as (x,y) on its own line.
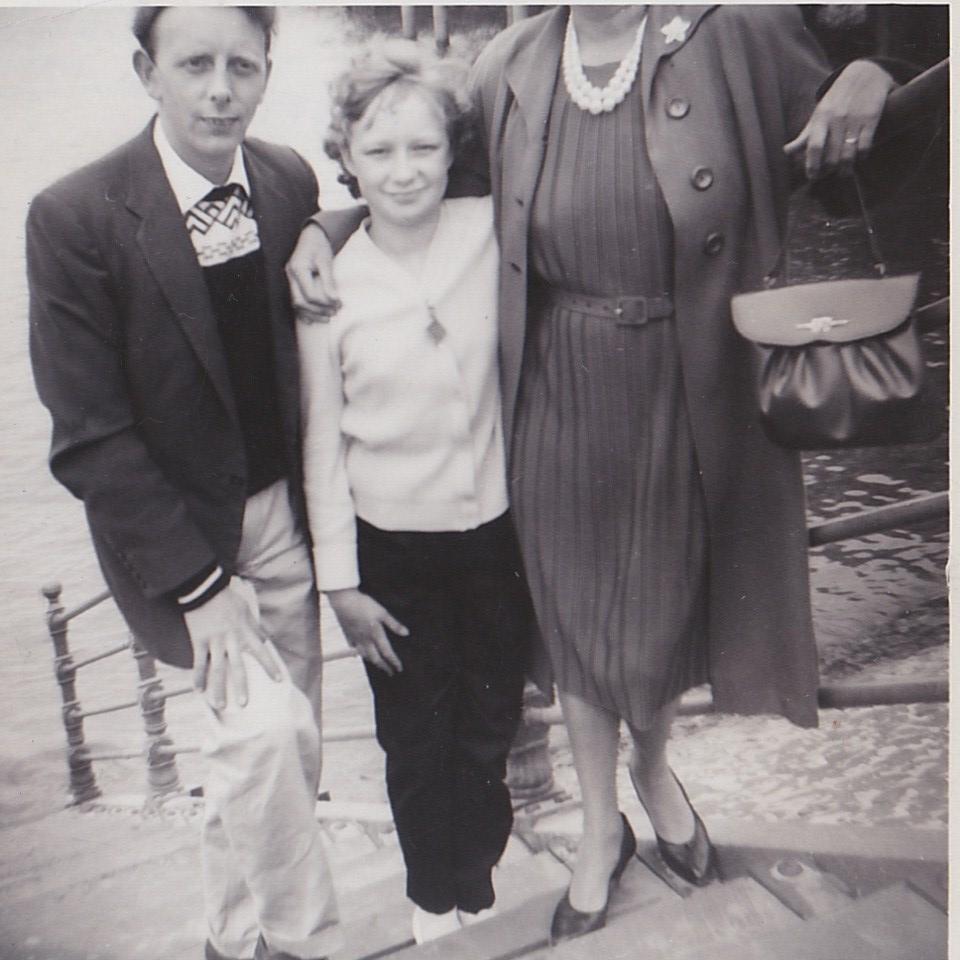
(365,623)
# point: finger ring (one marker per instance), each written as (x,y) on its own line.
(851,139)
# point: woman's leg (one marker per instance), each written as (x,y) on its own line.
(660,794)
(594,737)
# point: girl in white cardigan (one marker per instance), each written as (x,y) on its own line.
(405,477)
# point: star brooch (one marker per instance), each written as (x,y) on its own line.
(676,30)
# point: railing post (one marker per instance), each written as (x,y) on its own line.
(162,775)
(408,22)
(529,771)
(516,13)
(83,784)
(441,30)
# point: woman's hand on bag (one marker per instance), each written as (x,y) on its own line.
(310,275)
(840,129)
(365,623)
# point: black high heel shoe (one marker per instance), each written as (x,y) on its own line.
(696,859)
(569,922)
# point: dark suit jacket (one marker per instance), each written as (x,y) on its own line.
(127,358)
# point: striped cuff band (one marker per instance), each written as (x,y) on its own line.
(209,587)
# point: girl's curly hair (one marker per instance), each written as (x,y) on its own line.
(400,64)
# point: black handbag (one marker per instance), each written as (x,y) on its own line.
(840,362)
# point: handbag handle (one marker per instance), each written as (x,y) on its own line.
(783,259)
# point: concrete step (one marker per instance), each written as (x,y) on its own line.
(653,914)
(522,931)
(795,880)
(892,924)
(377,916)
(854,860)
(669,928)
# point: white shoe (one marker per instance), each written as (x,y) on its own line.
(432,926)
(467,919)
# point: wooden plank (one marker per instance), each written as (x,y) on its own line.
(932,889)
(671,927)
(522,931)
(900,919)
(866,875)
(893,924)
(378,916)
(513,934)
(516,882)
(795,880)
(384,930)
(867,844)
(375,916)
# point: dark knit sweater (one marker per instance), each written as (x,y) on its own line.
(238,291)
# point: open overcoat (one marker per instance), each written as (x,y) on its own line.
(724,88)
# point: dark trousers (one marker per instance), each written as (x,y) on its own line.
(447,721)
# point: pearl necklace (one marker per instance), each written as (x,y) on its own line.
(582,92)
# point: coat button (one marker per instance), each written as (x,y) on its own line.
(678,108)
(702,178)
(713,243)
(516,267)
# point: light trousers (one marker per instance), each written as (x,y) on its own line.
(265,869)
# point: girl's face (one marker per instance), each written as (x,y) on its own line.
(400,154)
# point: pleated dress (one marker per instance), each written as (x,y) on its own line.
(604,485)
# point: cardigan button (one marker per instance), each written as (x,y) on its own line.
(713,243)
(678,108)
(702,178)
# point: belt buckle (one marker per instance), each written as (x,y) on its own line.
(631,312)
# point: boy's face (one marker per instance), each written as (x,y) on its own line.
(208,75)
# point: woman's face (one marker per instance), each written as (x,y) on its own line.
(400,154)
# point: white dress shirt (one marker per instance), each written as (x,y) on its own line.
(402,424)
(188,185)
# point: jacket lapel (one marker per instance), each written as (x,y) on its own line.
(668,28)
(531,76)
(171,258)
(273,222)
(279,218)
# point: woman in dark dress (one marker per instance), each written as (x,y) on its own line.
(637,165)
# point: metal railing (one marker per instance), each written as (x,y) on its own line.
(151,698)
(529,775)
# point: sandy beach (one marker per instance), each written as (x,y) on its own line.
(67,95)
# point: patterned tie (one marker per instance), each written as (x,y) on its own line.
(222,225)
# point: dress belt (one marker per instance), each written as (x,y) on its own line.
(626,311)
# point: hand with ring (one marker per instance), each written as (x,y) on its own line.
(840,130)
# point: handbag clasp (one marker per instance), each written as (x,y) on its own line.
(821,324)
